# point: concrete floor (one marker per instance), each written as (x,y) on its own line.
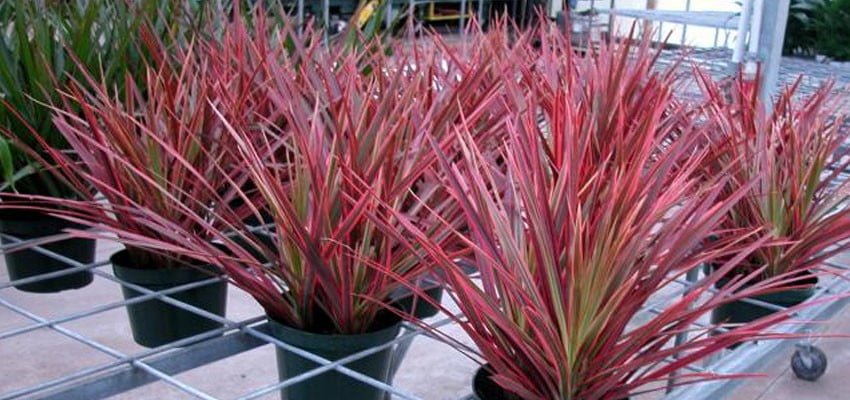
(780,382)
(431,370)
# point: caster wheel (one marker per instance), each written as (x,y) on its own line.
(808,362)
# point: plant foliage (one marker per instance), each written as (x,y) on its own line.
(184,167)
(157,147)
(795,152)
(598,207)
(45,45)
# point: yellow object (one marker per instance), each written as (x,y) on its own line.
(366,12)
(433,15)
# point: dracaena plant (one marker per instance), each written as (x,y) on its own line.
(156,148)
(35,42)
(795,152)
(598,207)
(352,139)
(338,142)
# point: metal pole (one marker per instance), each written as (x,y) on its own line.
(685,26)
(647,24)
(300,16)
(463,19)
(481,11)
(691,277)
(772,37)
(755,37)
(388,14)
(326,16)
(411,22)
(743,29)
(611,23)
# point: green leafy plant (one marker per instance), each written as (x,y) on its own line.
(818,27)
(43,46)
(833,28)
(598,207)
(801,36)
(795,153)
(34,55)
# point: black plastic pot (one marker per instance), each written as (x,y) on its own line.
(332,385)
(420,307)
(28,263)
(739,312)
(264,239)
(155,322)
(483,388)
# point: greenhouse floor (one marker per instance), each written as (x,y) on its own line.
(780,382)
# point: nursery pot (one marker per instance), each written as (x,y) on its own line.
(420,307)
(483,388)
(739,312)
(332,385)
(155,322)
(28,263)
(265,239)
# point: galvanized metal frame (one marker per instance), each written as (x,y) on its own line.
(761,25)
(234,337)
(108,383)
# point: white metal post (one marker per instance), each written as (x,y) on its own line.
(755,35)
(463,7)
(772,37)
(481,12)
(300,15)
(743,30)
(685,26)
(326,16)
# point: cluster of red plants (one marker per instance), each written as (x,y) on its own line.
(794,154)
(292,133)
(575,184)
(601,202)
(157,151)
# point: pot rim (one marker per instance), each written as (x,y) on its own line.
(28,223)
(124,269)
(317,341)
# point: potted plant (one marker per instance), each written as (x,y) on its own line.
(35,43)
(43,46)
(795,152)
(161,134)
(344,140)
(599,206)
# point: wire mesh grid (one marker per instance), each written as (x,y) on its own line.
(117,367)
(126,370)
